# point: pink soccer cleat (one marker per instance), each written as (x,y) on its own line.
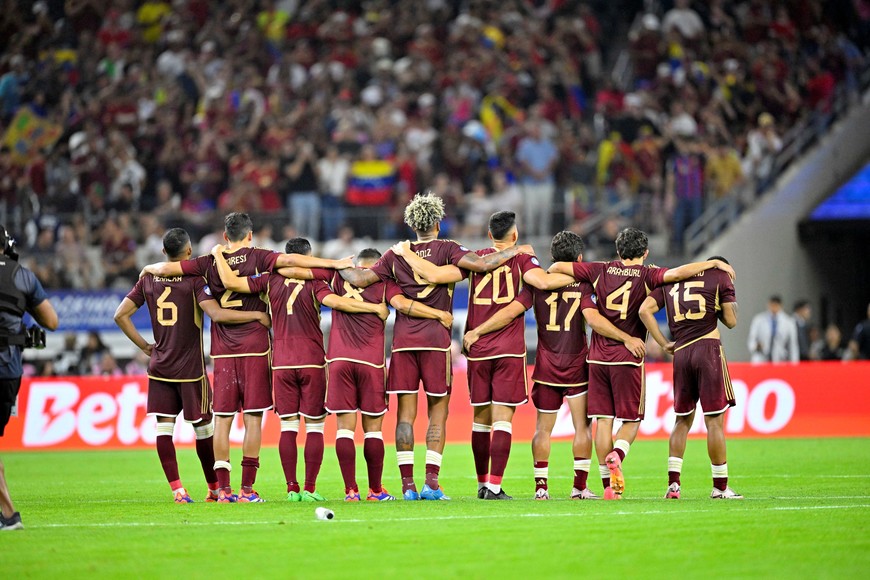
(673,491)
(609,493)
(614,464)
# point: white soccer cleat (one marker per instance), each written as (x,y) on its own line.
(583,494)
(542,493)
(727,493)
(674,491)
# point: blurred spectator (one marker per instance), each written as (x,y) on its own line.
(801,314)
(682,19)
(763,144)
(342,246)
(684,185)
(370,185)
(723,171)
(830,347)
(107,366)
(138,365)
(91,354)
(478,208)
(332,170)
(859,345)
(299,169)
(118,255)
(66,362)
(537,157)
(773,335)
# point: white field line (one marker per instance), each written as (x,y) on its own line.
(442,518)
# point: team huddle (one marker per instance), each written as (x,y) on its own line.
(246,290)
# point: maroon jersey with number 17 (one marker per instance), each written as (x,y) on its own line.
(176,319)
(562,347)
(295,309)
(693,305)
(491,292)
(233,340)
(620,290)
(421,333)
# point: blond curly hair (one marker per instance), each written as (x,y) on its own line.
(424,211)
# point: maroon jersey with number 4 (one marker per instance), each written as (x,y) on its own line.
(176,320)
(232,340)
(295,309)
(358,337)
(562,347)
(491,292)
(619,290)
(693,305)
(421,333)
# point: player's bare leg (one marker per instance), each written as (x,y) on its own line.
(406,415)
(582,447)
(481,441)
(251,456)
(435,439)
(676,449)
(166,452)
(345,450)
(502,415)
(313,457)
(625,436)
(603,447)
(716,450)
(204,433)
(223,425)
(289,454)
(541,452)
(373,451)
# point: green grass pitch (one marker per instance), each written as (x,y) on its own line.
(109,514)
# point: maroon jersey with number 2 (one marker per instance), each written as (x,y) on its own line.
(234,340)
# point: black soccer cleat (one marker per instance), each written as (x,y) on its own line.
(481,493)
(11,523)
(489,494)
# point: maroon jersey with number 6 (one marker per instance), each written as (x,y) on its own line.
(176,319)
(295,309)
(421,333)
(359,337)
(619,290)
(693,305)
(562,347)
(491,292)
(232,340)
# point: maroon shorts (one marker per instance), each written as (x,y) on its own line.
(242,384)
(301,391)
(169,398)
(352,387)
(548,399)
(701,374)
(409,367)
(501,381)
(616,391)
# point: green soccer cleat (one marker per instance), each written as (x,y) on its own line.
(294,496)
(312,496)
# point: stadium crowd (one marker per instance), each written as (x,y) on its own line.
(128,117)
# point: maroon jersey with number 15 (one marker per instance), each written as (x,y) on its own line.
(421,333)
(620,290)
(176,319)
(233,340)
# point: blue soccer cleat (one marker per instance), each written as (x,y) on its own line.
(433,494)
(410,495)
(383,495)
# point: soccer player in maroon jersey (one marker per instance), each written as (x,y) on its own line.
(616,378)
(560,365)
(298,365)
(497,363)
(694,307)
(421,348)
(177,379)
(356,378)
(240,353)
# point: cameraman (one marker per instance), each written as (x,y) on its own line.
(20,292)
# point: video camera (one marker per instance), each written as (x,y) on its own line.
(34,337)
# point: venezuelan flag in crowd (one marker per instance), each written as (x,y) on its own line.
(371,183)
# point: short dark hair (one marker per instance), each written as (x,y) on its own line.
(237,225)
(368,254)
(500,223)
(174,242)
(566,246)
(631,243)
(776,299)
(298,246)
(803,302)
(720,258)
